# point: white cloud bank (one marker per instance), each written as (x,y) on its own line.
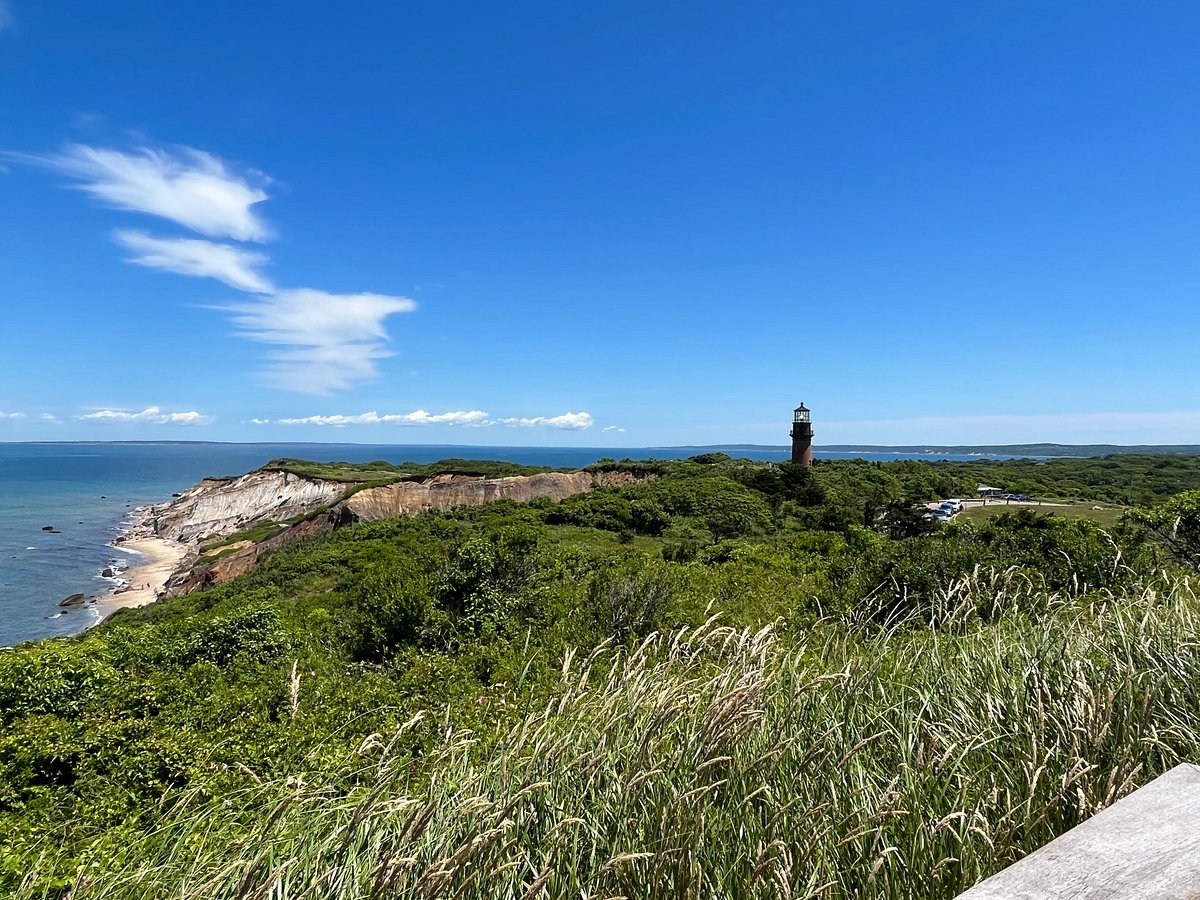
(151,415)
(571,420)
(322,341)
(475,417)
(417,417)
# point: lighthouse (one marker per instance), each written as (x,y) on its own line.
(802,435)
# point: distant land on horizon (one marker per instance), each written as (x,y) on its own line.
(1040,449)
(1071,450)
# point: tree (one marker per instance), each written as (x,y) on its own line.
(1175,524)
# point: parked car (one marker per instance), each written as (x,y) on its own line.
(954,506)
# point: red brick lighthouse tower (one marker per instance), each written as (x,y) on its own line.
(802,435)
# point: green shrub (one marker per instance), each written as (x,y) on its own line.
(486,579)
(1175,524)
(393,606)
(254,634)
(53,678)
(627,598)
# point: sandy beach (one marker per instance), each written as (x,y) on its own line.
(158,558)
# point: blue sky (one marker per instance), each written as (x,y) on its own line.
(622,224)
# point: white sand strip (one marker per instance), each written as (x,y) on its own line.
(159,560)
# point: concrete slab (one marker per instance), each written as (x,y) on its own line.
(1144,846)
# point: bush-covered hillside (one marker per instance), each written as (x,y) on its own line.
(728,679)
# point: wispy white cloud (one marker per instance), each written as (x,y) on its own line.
(417,417)
(571,420)
(190,187)
(330,341)
(615,428)
(49,417)
(11,415)
(322,341)
(191,256)
(151,415)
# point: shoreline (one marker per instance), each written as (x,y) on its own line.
(145,580)
(147,576)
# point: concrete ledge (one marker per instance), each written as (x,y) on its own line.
(1144,846)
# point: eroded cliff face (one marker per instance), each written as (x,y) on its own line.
(445,492)
(192,576)
(221,507)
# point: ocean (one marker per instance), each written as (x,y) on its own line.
(89,492)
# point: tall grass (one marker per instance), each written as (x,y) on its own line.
(867,762)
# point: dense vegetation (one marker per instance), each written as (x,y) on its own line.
(1135,479)
(728,679)
(1077,451)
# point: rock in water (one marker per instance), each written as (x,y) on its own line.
(73,600)
(48,528)
(108,572)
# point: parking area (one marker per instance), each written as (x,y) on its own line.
(951,508)
(977,509)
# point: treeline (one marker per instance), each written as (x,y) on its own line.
(1127,479)
(402,634)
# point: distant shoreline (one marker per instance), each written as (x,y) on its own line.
(981,450)
(1074,451)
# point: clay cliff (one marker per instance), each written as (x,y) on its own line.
(443,492)
(221,507)
(218,508)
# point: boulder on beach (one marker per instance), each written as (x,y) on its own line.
(73,600)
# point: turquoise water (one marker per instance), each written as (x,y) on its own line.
(89,492)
